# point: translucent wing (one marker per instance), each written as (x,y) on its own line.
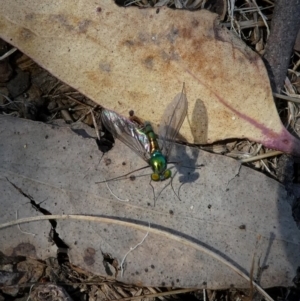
(128,132)
(171,122)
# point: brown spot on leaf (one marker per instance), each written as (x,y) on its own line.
(25,34)
(105,67)
(148,62)
(97,78)
(172,55)
(62,20)
(195,23)
(143,37)
(83,26)
(129,43)
(92,76)
(71,23)
(186,33)
(30,17)
(173,34)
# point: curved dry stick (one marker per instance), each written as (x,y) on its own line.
(141,228)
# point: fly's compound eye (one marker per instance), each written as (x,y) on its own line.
(155,177)
(167,174)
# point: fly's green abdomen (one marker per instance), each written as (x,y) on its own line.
(148,130)
(158,161)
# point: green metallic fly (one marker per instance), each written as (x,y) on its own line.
(142,139)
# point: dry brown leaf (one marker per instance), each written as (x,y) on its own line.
(130,58)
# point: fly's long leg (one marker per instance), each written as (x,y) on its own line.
(124,177)
(155,198)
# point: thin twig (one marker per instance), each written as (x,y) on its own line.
(285,97)
(94,122)
(8,53)
(263,156)
(263,17)
(80,102)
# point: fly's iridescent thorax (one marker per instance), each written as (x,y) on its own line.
(157,161)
